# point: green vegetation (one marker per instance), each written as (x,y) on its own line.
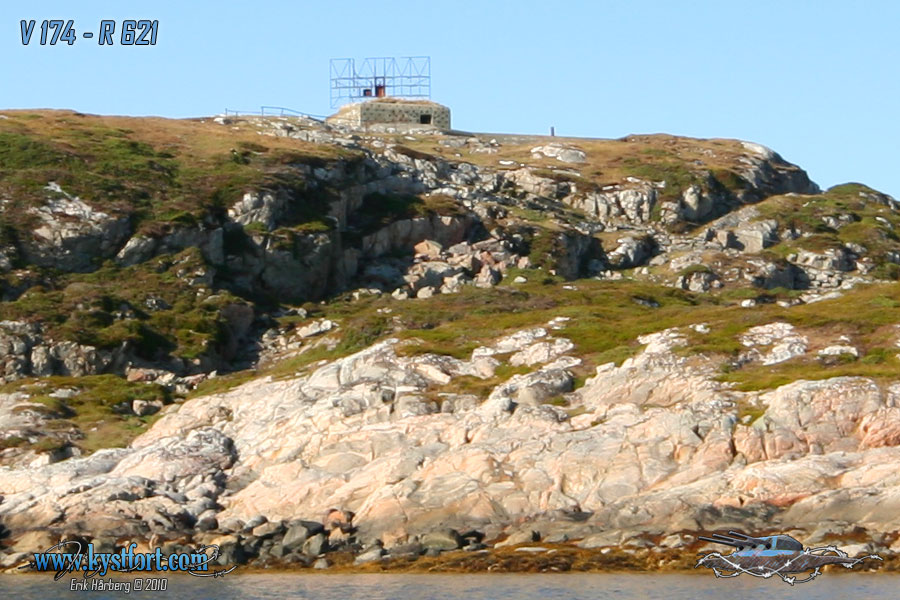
(605,322)
(158,172)
(845,214)
(749,413)
(528,214)
(674,172)
(49,444)
(93,394)
(729,179)
(557,401)
(96,309)
(695,268)
(757,377)
(12,441)
(95,409)
(378,210)
(165,174)
(223,383)
(545,249)
(583,184)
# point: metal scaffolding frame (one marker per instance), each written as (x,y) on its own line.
(400,77)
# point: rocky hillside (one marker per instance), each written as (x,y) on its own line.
(227,329)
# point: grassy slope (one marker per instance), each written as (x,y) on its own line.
(155,169)
(606,319)
(162,171)
(867,223)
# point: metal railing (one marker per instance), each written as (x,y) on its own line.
(273,111)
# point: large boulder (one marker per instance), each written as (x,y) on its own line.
(561,153)
(632,252)
(71,235)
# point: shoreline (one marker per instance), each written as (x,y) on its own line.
(543,559)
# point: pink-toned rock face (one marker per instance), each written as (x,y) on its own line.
(658,445)
(821,414)
(880,428)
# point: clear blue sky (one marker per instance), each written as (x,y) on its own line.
(817,80)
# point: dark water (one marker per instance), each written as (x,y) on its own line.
(474,587)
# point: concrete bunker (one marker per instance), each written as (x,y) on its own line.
(392,111)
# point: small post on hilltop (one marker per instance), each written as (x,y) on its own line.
(552,131)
